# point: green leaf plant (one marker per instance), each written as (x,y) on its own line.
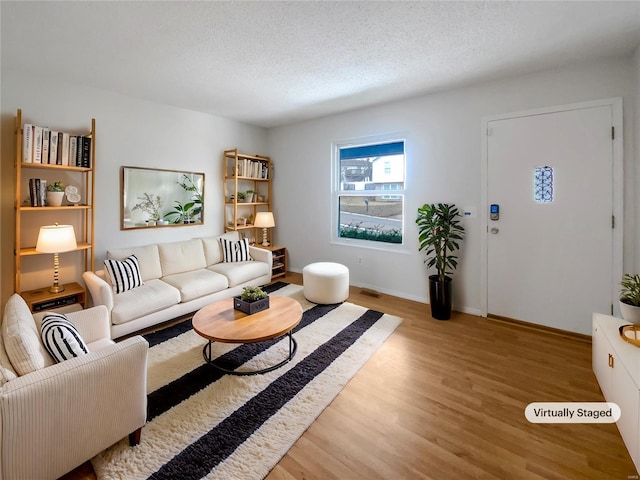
(630,292)
(251,294)
(188,210)
(440,232)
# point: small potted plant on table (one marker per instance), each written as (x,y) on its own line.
(251,300)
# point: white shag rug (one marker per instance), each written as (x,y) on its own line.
(205,425)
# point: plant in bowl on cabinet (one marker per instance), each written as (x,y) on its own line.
(630,298)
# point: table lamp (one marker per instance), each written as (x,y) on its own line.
(264,220)
(56,239)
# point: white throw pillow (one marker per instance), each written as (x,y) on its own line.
(235,251)
(6,369)
(60,337)
(123,274)
(22,339)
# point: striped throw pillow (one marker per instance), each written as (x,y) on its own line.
(235,251)
(60,337)
(124,274)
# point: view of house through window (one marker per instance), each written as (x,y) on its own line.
(371,191)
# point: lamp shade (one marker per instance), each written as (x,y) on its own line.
(56,239)
(264,220)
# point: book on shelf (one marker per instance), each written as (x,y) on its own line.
(27,143)
(33,193)
(65,149)
(37,144)
(45,144)
(73,150)
(80,141)
(53,147)
(43,193)
(86,152)
(59,153)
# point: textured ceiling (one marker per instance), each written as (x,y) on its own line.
(273,63)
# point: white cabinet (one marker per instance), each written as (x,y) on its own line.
(616,364)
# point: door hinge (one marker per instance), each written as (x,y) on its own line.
(613,133)
(613,221)
(612,309)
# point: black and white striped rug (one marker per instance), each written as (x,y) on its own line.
(202,424)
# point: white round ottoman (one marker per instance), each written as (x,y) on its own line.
(325,282)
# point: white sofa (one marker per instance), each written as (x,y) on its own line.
(56,416)
(179,278)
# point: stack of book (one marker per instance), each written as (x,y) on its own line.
(38,192)
(42,145)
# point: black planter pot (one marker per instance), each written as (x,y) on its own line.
(440,297)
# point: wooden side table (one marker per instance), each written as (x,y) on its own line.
(42,299)
(279,267)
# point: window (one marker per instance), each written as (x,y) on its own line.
(367,174)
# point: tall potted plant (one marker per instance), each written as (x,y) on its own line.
(440,230)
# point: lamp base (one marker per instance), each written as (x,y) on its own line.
(56,288)
(265,244)
(265,241)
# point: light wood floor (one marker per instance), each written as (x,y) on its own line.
(446,399)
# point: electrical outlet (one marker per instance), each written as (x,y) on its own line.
(359,259)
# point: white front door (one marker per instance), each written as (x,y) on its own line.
(550,255)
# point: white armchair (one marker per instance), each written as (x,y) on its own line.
(59,416)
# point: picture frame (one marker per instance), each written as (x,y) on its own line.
(153,198)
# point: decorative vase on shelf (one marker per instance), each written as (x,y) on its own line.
(54,199)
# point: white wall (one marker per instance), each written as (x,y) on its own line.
(443,154)
(128,132)
(443,165)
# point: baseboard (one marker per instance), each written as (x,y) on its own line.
(543,328)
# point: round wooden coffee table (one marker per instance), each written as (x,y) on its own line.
(220,322)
